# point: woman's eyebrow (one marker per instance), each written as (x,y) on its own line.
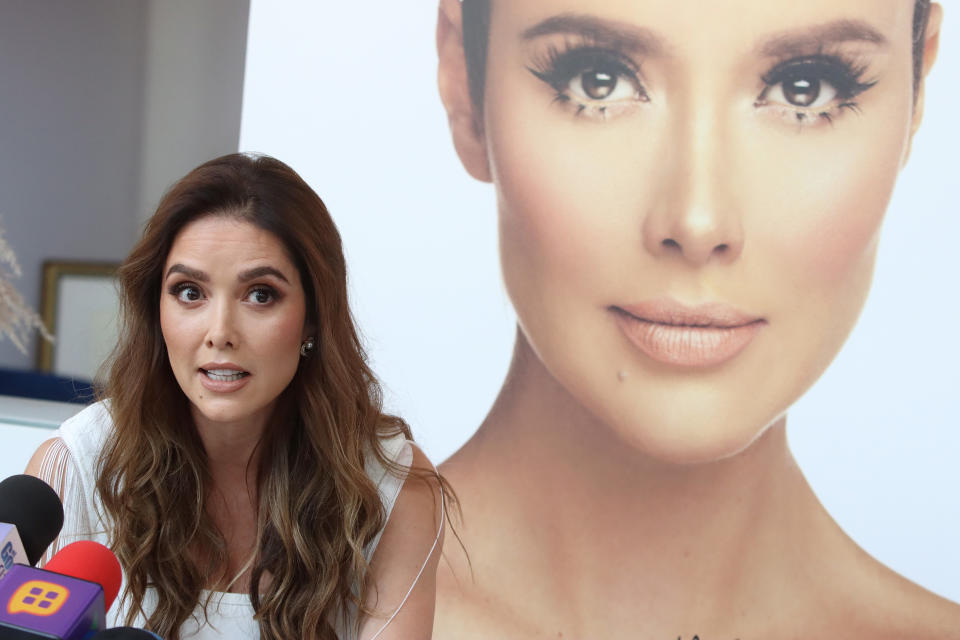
(611,33)
(259,272)
(800,41)
(193,274)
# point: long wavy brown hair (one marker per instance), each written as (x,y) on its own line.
(316,507)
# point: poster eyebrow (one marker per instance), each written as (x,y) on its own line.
(614,33)
(799,41)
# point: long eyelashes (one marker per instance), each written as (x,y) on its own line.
(845,75)
(600,82)
(815,87)
(558,67)
(590,79)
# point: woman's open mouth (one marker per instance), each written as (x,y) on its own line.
(223,378)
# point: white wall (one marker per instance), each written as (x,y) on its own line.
(70,98)
(105,103)
(355,110)
(193,83)
(349,101)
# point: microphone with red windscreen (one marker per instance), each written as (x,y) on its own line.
(90,561)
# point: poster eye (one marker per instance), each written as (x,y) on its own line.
(602,84)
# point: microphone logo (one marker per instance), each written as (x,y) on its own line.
(38,598)
(7,555)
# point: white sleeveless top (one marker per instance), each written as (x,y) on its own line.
(70,468)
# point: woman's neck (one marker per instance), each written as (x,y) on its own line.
(231,447)
(581,518)
(232,451)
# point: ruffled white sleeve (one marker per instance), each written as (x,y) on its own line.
(60,471)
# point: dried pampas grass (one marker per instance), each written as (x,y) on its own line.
(17,320)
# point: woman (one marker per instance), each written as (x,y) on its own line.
(241,467)
(688,224)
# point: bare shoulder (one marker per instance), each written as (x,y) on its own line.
(413,529)
(455,617)
(463,611)
(466,609)
(403,567)
(421,501)
(903,610)
(920,614)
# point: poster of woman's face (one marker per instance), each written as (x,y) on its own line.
(645,235)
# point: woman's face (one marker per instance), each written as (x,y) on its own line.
(690,198)
(232,312)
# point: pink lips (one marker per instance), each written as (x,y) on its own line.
(687,336)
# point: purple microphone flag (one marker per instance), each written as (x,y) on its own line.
(41,604)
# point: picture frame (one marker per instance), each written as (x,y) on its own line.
(79,305)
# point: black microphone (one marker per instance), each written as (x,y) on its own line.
(34,515)
(124,633)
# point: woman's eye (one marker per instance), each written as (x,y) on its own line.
(187,293)
(808,92)
(814,85)
(602,84)
(261,295)
(593,79)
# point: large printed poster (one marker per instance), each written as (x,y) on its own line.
(680,227)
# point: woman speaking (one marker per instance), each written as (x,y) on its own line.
(240,465)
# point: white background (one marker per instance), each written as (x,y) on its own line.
(346,94)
